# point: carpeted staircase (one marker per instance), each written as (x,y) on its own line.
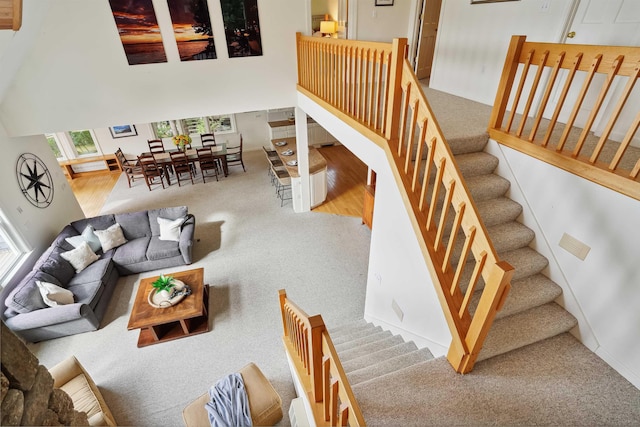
(529,315)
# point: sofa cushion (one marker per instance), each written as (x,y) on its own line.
(88,236)
(132,252)
(160,249)
(81,257)
(58,267)
(111,238)
(53,295)
(134,224)
(168,213)
(98,222)
(26,297)
(82,396)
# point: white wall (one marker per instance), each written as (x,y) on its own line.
(473,40)
(37,226)
(384,23)
(76,75)
(397,270)
(605,284)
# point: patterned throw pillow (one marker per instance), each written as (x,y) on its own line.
(111,238)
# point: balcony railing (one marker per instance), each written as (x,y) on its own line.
(552,104)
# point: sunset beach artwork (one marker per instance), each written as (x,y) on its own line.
(139,31)
(192,29)
(241,27)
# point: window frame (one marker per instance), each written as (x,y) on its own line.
(17,245)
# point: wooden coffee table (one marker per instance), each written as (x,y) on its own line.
(186,318)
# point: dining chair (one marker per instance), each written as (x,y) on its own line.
(181,165)
(234,155)
(207,162)
(131,168)
(155,145)
(208,139)
(151,170)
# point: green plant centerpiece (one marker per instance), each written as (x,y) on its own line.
(163,285)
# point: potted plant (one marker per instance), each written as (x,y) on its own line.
(163,286)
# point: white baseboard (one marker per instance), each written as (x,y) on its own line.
(622,369)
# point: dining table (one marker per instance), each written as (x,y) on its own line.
(219,152)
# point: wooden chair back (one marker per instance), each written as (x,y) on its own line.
(155,145)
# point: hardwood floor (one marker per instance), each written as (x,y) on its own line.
(92,190)
(346,179)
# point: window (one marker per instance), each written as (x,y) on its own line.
(164,129)
(195,125)
(13,249)
(222,124)
(83,142)
(54,145)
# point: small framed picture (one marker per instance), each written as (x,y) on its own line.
(384,2)
(122,131)
(488,1)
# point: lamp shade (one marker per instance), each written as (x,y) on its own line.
(327,27)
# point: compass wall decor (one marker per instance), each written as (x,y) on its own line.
(34,180)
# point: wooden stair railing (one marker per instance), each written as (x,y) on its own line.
(584,71)
(318,368)
(372,88)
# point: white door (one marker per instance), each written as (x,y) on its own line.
(427,39)
(603,22)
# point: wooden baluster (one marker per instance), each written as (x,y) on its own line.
(509,72)
(473,282)
(576,108)
(421,144)
(615,67)
(386,102)
(563,97)
(326,383)
(365,87)
(372,88)
(612,121)
(344,415)
(516,99)
(403,114)
(453,236)
(436,192)
(427,172)
(547,94)
(334,402)
(341,70)
(532,92)
(444,215)
(376,123)
(624,144)
(412,134)
(464,256)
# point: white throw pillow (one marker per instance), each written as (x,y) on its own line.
(81,257)
(54,295)
(111,238)
(170,228)
(88,236)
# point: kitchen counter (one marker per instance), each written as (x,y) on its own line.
(316,161)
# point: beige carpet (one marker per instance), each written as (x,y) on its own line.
(250,248)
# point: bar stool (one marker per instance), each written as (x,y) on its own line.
(283,184)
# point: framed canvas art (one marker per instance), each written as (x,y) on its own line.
(139,31)
(122,131)
(192,29)
(384,2)
(242,27)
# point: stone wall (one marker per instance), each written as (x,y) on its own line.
(27,394)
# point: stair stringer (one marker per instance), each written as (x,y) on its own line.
(553,271)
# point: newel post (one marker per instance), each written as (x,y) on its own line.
(316,328)
(395,89)
(283,298)
(506,81)
(299,56)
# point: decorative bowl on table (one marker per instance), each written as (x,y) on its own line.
(160,299)
(287,153)
(280,143)
(292,163)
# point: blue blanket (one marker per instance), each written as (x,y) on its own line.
(228,404)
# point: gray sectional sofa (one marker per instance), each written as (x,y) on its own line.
(30,317)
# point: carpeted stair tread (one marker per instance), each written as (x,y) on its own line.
(371,358)
(363,340)
(486,187)
(350,328)
(388,366)
(525,261)
(355,334)
(498,211)
(370,348)
(528,327)
(510,236)
(525,293)
(474,164)
(467,144)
